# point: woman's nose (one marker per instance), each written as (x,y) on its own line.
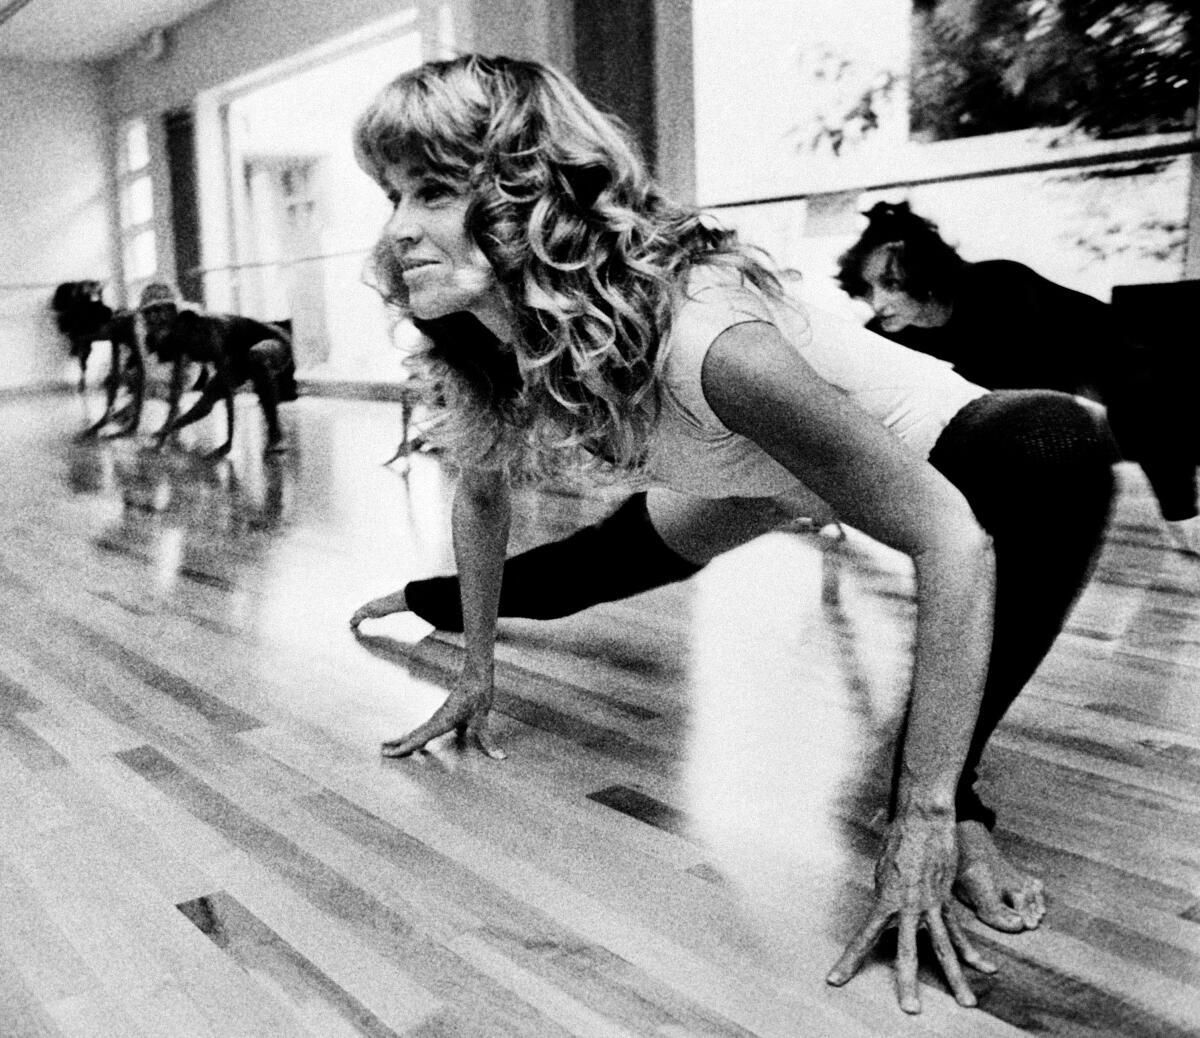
(880,298)
(403,224)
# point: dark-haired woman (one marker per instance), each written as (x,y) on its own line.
(1004,326)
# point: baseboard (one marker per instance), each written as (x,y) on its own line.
(350,389)
(37,389)
(345,390)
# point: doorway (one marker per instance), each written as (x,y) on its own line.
(304,216)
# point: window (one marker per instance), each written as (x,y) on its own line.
(304,215)
(967,109)
(135,190)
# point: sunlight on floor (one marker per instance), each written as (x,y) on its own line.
(791,733)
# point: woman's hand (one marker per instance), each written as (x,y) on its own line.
(913,878)
(465,712)
(382,606)
(162,436)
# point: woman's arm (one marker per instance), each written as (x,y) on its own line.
(216,388)
(759,386)
(174,395)
(223,379)
(202,341)
(482,513)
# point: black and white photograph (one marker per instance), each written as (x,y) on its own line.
(599,519)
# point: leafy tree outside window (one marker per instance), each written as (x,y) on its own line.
(1110,68)
(1103,68)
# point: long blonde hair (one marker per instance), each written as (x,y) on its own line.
(589,254)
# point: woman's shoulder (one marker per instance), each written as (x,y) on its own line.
(712,298)
(715,281)
(1000,268)
(1025,287)
(709,299)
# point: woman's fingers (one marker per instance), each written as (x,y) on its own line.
(451,715)
(858,948)
(416,739)
(477,731)
(460,714)
(907,990)
(966,950)
(945,952)
(950,943)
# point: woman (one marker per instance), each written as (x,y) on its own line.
(1012,455)
(576,319)
(1004,326)
(232,350)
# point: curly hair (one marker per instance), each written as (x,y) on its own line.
(590,256)
(920,261)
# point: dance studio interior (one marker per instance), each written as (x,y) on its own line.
(203,834)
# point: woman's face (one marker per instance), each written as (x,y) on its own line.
(160,319)
(893,306)
(443,269)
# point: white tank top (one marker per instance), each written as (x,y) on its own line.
(691,451)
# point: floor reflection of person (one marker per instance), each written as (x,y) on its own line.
(578,320)
(233,350)
(1004,326)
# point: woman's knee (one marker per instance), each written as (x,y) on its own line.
(269,356)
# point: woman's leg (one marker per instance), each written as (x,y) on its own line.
(1036,468)
(267,360)
(1153,421)
(651,540)
(615,558)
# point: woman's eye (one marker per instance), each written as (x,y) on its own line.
(431,191)
(426,192)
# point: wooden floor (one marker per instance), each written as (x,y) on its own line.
(199,837)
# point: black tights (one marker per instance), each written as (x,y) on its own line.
(615,558)
(1035,467)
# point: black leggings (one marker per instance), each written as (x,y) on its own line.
(615,558)
(1154,425)
(1036,468)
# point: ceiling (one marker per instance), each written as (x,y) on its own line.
(84,30)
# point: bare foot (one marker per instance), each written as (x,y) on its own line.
(377,607)
(997,893)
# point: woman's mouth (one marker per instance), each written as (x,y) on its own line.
(412,268)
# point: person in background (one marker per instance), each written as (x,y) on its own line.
(85,319)
(81,314)
(232,349)
(1004,326)
(127,372)
(577,321)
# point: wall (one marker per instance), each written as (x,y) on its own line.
(54,208)
(236,38)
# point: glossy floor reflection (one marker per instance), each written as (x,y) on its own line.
(200,837)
